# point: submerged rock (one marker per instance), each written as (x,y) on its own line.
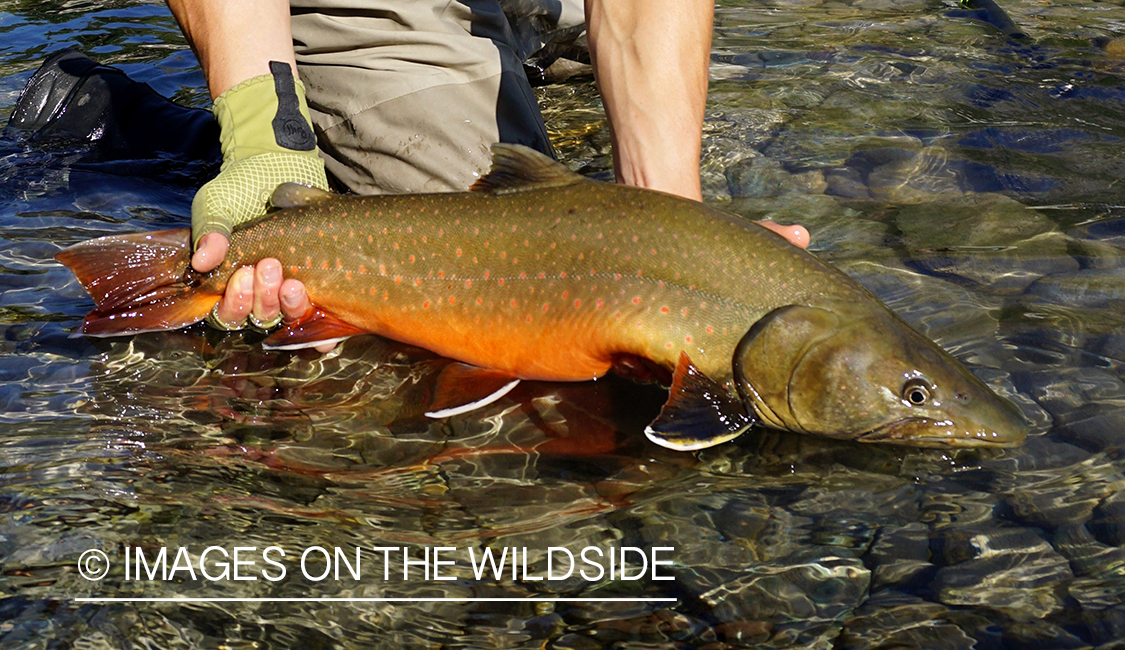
(1013,571)
(892,620)
(816,585)
(969,220)
(900,556)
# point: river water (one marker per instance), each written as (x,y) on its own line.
(974,182)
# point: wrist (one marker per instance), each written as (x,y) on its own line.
(265,114)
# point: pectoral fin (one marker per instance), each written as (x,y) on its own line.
(313,329)
(699,413)
(462,388)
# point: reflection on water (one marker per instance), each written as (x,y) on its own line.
(973,183)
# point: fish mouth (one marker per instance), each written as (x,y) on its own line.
(927,432)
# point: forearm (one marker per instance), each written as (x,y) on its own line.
(235,40)
(651,61)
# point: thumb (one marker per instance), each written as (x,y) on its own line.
(210,252)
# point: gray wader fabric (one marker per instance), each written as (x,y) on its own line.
(408,95)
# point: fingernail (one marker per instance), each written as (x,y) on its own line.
(246,283)
(290,299)
(270,274)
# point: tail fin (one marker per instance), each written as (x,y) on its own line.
(140,283)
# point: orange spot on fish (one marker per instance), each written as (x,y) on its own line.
(398,279)
(500,281)
(486,274)
(458,252)
(320,233)
(292,269)
(418,282)
(292,249)
(324,265)
(545,307)
(370,239)
(687,339)
(480,301)
(362,270)
(636,300)
(665,310)
(528,319)
(710,330)
(523,276)
(452,300)
(599,303)
(426,304)
(348,275)
(411,259)
(468,283)
(513,302)
(308,262)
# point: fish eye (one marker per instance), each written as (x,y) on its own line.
(917,391)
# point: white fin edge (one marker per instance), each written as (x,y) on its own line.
(306,345)
(692,446)
(472,406)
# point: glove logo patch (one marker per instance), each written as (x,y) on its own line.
(290,129)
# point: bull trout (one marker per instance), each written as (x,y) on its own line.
(540,274)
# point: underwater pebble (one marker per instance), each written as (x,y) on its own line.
(1090,289)
(899,555)
(1012,570)
(969,220)
(1097,427)
(1108,521)
(1099,568)
(894,620)
(815,584)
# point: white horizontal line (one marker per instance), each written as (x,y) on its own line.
(374,600)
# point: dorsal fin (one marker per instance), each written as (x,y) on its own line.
(516,168)
(296,195)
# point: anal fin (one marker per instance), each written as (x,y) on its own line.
(462,388)
(699,413)
(314,328)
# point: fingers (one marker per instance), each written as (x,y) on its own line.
(210,252)
(267,287)
(294,300)
(238,299)
(796,234)
(295,303)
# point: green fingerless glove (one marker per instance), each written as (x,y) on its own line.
(267,140)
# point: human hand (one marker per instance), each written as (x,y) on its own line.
(267,140)
(258,294)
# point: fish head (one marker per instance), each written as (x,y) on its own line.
(861,373)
